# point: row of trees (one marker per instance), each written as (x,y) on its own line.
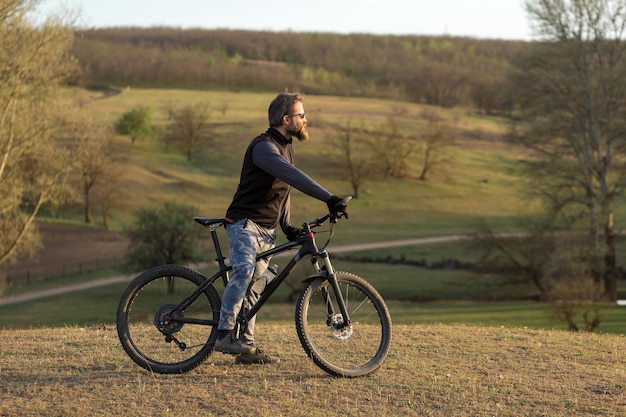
(443,71)
(381,151)
(98,160)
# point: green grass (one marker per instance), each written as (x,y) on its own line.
(481,182)
(86,307)
(413,296)
(62,280)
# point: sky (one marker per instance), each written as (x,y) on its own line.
(483,19)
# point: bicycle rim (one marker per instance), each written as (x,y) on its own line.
(347,351)
(151,332)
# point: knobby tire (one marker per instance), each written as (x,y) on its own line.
(344,351)
(144,304)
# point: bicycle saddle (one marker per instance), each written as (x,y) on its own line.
(206,222)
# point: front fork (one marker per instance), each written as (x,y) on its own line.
(332,279)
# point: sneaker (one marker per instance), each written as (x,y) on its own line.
(228,344)
(257,357)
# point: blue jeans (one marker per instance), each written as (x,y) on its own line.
(245,240)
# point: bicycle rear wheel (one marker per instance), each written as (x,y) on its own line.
(347,351)
(159,337)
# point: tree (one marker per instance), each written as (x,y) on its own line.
(110,192)
(34,65)
(572,101)
(437,137)
(441,83)
(393,148)
(165,235)
(94,158)
(554,261)
(189,126)
(350,143)
(225,103)
(136,123)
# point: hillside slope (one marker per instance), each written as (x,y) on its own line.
(481,178)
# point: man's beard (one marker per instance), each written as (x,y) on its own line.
(299,132)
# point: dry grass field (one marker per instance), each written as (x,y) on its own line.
(432,370)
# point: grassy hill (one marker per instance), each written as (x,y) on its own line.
(432,370)
(481,181)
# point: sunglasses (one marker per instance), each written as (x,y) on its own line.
(301,115)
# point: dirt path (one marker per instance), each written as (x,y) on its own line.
(33,295)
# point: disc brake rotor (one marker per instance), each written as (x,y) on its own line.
(337,327)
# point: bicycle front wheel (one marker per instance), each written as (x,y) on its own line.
(158,335)
(351,350)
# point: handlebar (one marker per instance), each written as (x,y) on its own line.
(334,216)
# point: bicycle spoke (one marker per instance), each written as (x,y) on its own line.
(154,332)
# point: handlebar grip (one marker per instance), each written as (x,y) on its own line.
(341,205)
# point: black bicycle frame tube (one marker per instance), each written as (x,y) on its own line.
(308,248)
(223,272)
(182,306)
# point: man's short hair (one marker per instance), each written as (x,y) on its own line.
(283,104)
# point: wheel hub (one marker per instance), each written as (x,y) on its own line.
(337,327)
(167,319)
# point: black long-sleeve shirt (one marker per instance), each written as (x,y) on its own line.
(267,175)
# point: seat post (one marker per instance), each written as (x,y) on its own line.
(218,249)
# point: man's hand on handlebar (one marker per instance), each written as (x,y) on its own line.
(293,233)
(337,206)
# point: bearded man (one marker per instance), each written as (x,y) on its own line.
(261,204)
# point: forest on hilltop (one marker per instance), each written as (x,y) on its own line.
(441,71)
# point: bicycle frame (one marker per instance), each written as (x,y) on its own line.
(308,246)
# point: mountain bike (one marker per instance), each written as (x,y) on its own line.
(167,317)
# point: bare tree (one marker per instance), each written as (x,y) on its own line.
(437,137)
(351,144)
(225,103)
(554,261)
(518,258)
(95,155)
(572,290)
(34,65)
(110,192)
(573,107)
(393,148)
(189,126)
